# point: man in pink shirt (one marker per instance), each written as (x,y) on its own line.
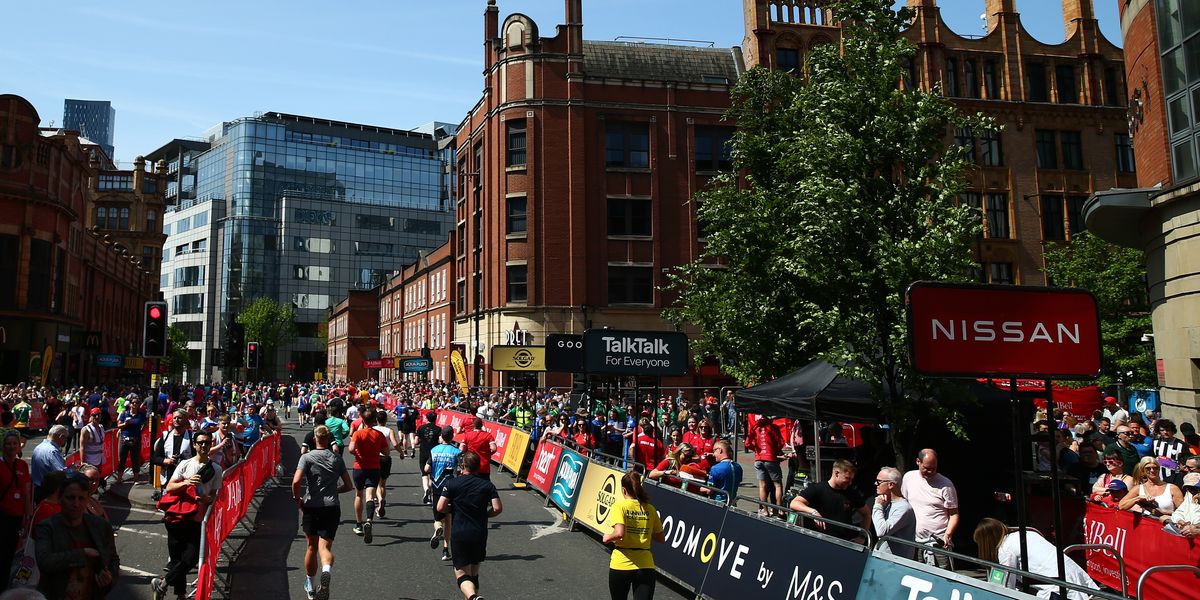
(935,504)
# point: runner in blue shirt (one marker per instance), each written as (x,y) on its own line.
(443,461)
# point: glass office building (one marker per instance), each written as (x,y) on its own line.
(300,210)
(95,120)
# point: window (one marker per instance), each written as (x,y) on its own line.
(1000,273)
(188,276)
(971,200)
(516,154)
(518,283)
(627,145)
(478,222)
(1047,149)
(997,216)
(152,221)
(1112,88)
(1052,218)
(461,296)
(187,304)
(1124,145)
(1072,150)
(964,138)
(971,76)
(102,217)
(1068,90)
(1036,74)
(10,157)
(952,77)
(375,222)
(787,60)
(630,285)
(199,245)
(41,252)
(123,224)
(515,221)
(992,154)
(629,216)
(991,84)
(712,149)
(1179,44)
(310,273)
(115,183)
(317,245)
(1075,213)
(149,185)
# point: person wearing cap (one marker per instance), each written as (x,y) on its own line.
(91,439)
(1117,415)
(1185,520)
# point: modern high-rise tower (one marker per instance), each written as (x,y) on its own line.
(93,119)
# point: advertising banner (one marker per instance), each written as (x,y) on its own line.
(414,365)
(567,479)
(544,466)
(1142,543)
(897,579)
(515,450)
(518,358)
(616,352)
(500,433)
(600,490)
(111,361)
(460,369)
(454,419)
(564,353)
(381,363)
(727,554)
(987,330)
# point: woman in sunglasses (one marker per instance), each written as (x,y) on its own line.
(1115,466)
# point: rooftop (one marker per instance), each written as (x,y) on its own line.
(660,62)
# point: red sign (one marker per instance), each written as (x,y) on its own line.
(1142,543)
(545,466)
(377,364)
(1005,331)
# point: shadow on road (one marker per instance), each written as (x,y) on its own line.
(261,569)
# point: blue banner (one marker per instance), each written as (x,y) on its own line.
(111,361)
(896,578)
(568,480)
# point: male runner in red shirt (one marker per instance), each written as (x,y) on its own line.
(367,446)
(482,443)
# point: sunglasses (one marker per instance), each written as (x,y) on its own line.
(879,481)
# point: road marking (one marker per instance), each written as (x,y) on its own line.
(540,531)
(134,509)
(142,532)
(138,572)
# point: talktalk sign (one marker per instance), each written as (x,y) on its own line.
(1003,331)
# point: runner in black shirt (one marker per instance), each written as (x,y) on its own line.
(472,500)
(427,437)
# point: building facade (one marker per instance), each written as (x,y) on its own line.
(1162,216)
(296,209)
(128,207)
(353,336)
(576,168)
(416,314)
(93,119)
(1061,108)
(72,299)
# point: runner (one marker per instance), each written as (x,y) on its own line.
(410,425)
(440,468)
(427,438)
(366,445)
(385,461)
(473,500)
(302,408)
(285,396)
(636,523)
(320,471)
(482,443)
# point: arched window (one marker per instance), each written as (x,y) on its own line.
(101,217)
(152,221)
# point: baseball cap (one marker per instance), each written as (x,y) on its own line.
(1118,485)
(95,411)
(1191,480)
(1110,400)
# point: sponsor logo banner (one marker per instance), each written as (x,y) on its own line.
(893,578)
(110,361)
(564,353)
(544,466)
(518,358)
(601,489)
(1143,544)
(568,479)
(635,352)
(414,365)
(460,369)
(727,554)
(377,364)
(981,331)
(514,452)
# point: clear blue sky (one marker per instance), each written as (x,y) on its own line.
(173,69)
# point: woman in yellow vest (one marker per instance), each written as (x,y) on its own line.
(635,524)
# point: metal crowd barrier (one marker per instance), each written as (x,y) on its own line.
(1158,569)
(866,536)
(1111,550)
(1025,575)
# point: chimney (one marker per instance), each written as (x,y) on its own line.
(997,9)
(491,31)
(919,4)
(1075,12)
(574,26)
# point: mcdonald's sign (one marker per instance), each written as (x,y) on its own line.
(91,340)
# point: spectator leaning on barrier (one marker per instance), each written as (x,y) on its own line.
(835,500)
(1115,465)
(935,504)
(997,545)
(726,475)
(48,458)
(891,514)
(1151,496)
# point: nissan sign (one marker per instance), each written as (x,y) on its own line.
(618,352)
(1003,331)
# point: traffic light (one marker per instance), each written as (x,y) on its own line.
(253,352)
(579,391)
(154,330)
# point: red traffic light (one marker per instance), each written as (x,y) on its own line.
(155,312)
(253,347)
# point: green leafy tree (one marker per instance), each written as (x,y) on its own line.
(178,358)
(1116,276)
(846,193)
(271,324)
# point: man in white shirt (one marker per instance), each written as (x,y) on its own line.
(935,504)
(1117,415)
(891,514)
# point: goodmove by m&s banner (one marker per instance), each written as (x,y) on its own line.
(545,465)
(600,491)
(514,451)
(734,555)
(567,480)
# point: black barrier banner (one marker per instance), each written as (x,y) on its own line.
(726,554)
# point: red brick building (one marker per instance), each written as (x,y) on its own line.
(416,314)
(69,292)
(1062,108)
(353,336)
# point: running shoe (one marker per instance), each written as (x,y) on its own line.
(158,588)
(323,589)
(382,510)
(435,539)
(445,555)
(308,589)
(358,529)
(367,532)
(427,495)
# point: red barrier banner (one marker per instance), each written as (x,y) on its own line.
(500,432)
(454,419)
(545,465)
(239,483)
(1142,542)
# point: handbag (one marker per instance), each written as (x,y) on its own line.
(24,572)
(179,506)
